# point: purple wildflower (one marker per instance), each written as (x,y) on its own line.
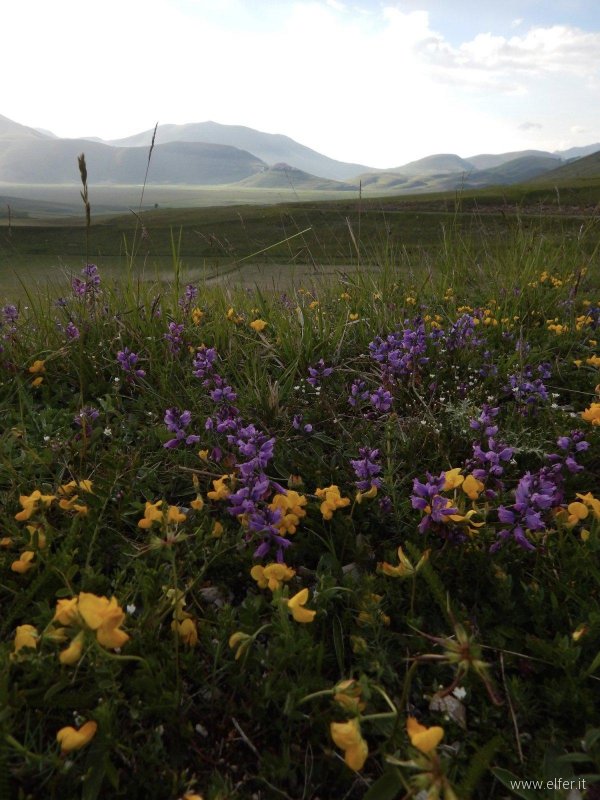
(89,287)
(318,372)
(426,497)
(358,392)
(381,399)
(71,331)
(174,337)
(127,359)
(366,469)
(177,421)
(189,295)
(204,364)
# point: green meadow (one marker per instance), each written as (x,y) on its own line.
(302,500)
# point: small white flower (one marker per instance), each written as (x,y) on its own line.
(107,432)
(131,608)
(460,693)
(46,438)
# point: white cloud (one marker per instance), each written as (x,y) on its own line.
(372,84)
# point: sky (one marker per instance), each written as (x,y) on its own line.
(378,83)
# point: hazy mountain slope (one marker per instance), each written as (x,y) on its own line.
(46,160)
(587,168)
(11,129)
(579,152)
(283,176)
(269,147)
(439,163)
(491,160)
(516,171)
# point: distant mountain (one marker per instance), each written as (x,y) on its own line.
(46,160)
(580,170)
(517,170)
(440,163)
(579,152)
(10,129)
(271,148)
(283,176)
(491,160)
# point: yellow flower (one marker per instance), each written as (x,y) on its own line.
(66,610)
(217,530)
(332,500)
(258,325)
(353,317)
(26,636)
(198,503)
(31,503)
(272,576)
(369,494)
(472,487)
(347,737)
(37,381)
(344,296)
(174,515)
(453,479)
(23,563)
(579,631)
(71,739)
(424,739)
(197,315)
(72,653)
(291,506)
(592,414)
(577,512)
(593,361)
(105,617)
(203,454)
(187,630)
(295,605)
(37,367)
(240,642)
(404,569)
(591,502)
(220,490)
(152,513)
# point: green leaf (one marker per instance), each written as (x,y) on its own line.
(509,780)
(387,787)
(338,643)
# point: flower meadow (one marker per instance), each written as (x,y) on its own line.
(339,542)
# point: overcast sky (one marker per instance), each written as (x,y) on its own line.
(378,83)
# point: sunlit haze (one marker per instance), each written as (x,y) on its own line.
(379,83)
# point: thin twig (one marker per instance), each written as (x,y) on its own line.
(512,710)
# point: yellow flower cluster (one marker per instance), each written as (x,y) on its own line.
(332,500)
(183,623)
(258,325)
(592,414)
(291,504)
(469,484)
(88,612)
(423,738)
(405,568)
(162,513)
(220,489)
(271,576)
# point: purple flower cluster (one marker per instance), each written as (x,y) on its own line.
(177,421)
(84,419)
(536,494)
(489,455)
(174,337)
(381,399)
(426,497)
(297,424)
(358,393)
(89,286)
(71,331)
(462,334)
(366,469)
(401,353)
(189,295)
(570,446)
(318,372)
(529,392)
(128,360)
(204,364)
